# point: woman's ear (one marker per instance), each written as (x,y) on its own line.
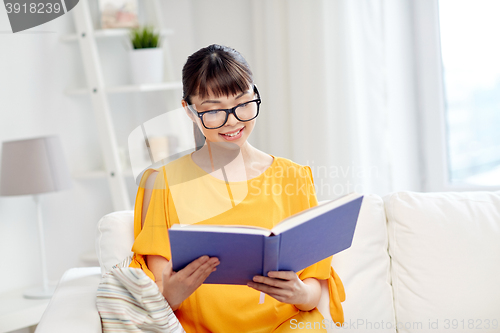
(188,111)
(199,137)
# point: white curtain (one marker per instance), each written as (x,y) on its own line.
(338,84)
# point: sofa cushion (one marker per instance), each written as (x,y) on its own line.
(72,308)
(114,239)
(364,271)
(445,250)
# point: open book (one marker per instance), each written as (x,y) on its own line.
(294,244)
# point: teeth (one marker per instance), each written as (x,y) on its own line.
(234,134)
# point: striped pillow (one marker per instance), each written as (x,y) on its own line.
(128,300)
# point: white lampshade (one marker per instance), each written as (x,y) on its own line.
(33,166)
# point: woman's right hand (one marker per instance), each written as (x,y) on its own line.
(177,286)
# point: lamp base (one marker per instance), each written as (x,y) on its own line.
(39,292)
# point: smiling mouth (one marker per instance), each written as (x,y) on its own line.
(230,134)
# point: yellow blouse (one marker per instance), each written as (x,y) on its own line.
(185,193)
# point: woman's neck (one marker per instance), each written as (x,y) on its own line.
(216,155)
(249,153)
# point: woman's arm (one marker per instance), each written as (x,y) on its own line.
(314,294)
(156,264)
(148,191)
(175,286)
(286,287)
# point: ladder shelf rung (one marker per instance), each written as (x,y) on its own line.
(97,174)
(109,33)
(129,88)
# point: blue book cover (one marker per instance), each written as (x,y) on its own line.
(294,244)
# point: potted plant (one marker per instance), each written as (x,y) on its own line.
(146,56)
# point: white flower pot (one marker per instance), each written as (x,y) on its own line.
(146,65)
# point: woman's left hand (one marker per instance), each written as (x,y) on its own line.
(286,287)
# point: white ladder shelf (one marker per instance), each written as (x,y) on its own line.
(86,36)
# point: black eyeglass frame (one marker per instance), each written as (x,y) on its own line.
(230,111)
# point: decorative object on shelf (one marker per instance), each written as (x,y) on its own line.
(159,141)
(32,167)
(158,148)
(118,14)
(146,57)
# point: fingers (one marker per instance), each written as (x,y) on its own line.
(284,286)
(196,279)
(267,281)
(265,288)
(205,270)
(268,285)
(202,262)
(193,265)
(284,275)
(198,270)
(276,278)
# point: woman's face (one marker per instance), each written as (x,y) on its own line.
(226,133)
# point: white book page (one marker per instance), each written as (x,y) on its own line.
(224,229)
(308,214)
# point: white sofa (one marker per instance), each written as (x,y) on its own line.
(421,262)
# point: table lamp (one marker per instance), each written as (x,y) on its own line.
(32,167)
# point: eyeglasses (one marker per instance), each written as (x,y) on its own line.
(247,111)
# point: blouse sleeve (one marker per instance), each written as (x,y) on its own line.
(152,238)
(323,270)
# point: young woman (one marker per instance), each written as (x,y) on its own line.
(225,182)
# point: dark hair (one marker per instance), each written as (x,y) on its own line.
(218,69)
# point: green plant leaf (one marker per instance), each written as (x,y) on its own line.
(144,37)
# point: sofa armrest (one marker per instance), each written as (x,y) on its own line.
(72,308)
